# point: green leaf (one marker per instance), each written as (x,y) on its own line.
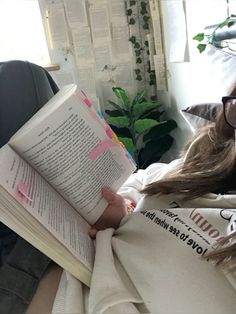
(132,21)
(146,18)
(132,39)
(231,23)
(139,96)
(144,164)
(129,12)
(152,76)
(160,130)
(122,96)
(154,114)
(156,147)
(143,11)
(132,2)
(129,144)
(201,47)
(143,4)
(112,113)
(121,121)
(141,108)
(116,106)
(121,132)
(143,125)
(151,82)
(199,36)
(224,23)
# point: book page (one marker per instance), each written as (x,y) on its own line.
(46,205)
(120,35)
(100,23)
(58,34)
(82,45)
(76,12)
(124,75)
(63,78)
(86,79)
(70,145)
(103,56)
(117,12)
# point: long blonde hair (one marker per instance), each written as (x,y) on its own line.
(208,164)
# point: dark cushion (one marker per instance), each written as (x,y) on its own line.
(24,88)
(199,115)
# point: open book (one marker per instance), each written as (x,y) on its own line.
(52,172)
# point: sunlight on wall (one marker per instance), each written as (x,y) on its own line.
(21,32)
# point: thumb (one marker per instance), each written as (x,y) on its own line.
(92,232)
(109,196)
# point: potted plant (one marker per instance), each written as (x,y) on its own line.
(139,126)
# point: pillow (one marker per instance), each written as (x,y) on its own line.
(219,76)
(199,115)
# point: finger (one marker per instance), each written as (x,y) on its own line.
(92,233)
(109,195)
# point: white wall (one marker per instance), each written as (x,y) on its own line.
(197,81)
(106,66)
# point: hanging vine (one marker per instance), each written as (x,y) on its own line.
(138,16)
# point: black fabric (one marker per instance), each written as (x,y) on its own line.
(7,241)
(19,277)
(24,89)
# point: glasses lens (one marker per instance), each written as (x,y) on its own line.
(230,112)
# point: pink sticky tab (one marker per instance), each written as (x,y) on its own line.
(87,102)
(94,116)
(23,191)
(85,99)
(109,132)
(100,148)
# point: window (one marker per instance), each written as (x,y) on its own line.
(22,34)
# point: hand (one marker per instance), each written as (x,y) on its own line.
(112,215)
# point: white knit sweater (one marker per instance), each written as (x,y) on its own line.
(154,262)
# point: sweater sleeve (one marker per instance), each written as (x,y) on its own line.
(130,190)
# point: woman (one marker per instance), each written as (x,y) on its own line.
(161,259)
